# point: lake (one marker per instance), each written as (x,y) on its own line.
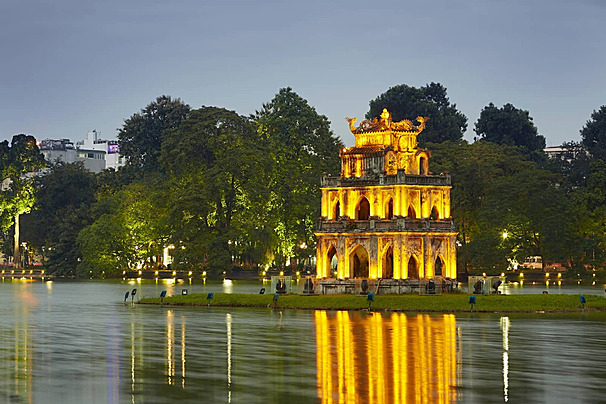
(74,342)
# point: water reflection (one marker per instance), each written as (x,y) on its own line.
(376,358)
(504,322)
(71,343)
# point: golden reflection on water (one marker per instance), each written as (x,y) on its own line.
(379,358)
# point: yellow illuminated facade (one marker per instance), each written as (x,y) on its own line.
(386,216)
(394,359)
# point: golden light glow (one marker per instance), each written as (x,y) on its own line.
(281,273)
(390,148)
(385,358)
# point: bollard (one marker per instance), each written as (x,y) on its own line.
(126,296)
(132,295)
(370,298)
(209,297)
(472,301)
(162,296)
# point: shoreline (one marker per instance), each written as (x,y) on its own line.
(447,303)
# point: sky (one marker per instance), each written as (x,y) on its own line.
(71,66)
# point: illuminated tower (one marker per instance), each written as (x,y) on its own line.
(386,216)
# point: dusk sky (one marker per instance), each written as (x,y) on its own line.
(70,66)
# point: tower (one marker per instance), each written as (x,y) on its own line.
(386,216)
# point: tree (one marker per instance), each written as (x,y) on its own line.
(593,134)
(64,198)
(406,102)
(473,169)
(219,186)
(301,147)
(530,216)
(131,228)
(141,136)
(18,165)
(510,126)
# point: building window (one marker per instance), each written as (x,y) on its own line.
(363,211)
(389,210)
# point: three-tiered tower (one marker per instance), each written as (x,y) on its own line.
(386,216)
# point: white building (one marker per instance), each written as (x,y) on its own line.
(96,154)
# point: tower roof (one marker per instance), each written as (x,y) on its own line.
(386,124)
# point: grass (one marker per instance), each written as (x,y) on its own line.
(448,303)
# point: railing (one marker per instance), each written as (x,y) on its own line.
(403,224)
(399,179)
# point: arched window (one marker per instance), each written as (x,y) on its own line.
(337,211)
(435,215)
(438,266)
(359,262)
(423,166)
(332,260)
(389,209)
(411,213)
(363,211)
(413,270)
(388,264)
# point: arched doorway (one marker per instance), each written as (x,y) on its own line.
(333,260)
(388,264)
(423,166)
(337,211)
(363,211)
(438,266)
(411,213)
(389,209)
(435,215)
(359,262)
(413,268)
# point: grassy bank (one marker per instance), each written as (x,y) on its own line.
(445,303)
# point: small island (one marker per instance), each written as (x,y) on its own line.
(447,303)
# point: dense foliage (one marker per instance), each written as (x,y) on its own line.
(446,122)
(510,126)
(18,162)
(219,191)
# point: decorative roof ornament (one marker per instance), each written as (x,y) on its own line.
(386,124)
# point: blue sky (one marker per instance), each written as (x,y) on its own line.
(70,66)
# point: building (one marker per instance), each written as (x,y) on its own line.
(96,154)
(385,217)
(93,147)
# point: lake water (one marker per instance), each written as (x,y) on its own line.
(77,342)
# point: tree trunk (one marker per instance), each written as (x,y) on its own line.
(16,252)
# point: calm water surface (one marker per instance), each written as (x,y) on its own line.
(78,342)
